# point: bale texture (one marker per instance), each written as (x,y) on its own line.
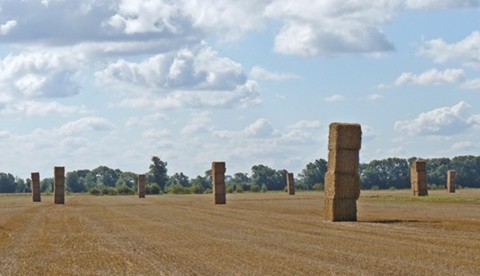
(218,182)
(36,187)
(451,174)
(59,173)
(141,186)
(418,177)
(290,184)
(345,136)
(342,181)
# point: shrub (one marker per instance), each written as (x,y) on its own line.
(392,188)
(109,191)
(177,189)
(375,187)
(255,188)
(152,189)
(208,191)
(318,187)
(264,188)
(229,189)
(95,191)
(125,190)
(239,189)
(196,189)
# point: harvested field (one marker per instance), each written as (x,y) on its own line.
(254,234)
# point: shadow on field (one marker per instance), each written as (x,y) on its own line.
(392,221)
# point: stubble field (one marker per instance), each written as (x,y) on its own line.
(254,234)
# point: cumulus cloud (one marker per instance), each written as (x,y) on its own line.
(304,124)
(86,124)
(195,77)
(259,73)
(466,51)
(472,84)
(260,128)
(325,28)
(431,77)
(442,121)
(374,97)
(7,27)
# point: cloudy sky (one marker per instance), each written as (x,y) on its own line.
(89,83)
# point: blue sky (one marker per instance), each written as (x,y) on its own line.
(89,83)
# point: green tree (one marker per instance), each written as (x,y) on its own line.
(106,176)
(7,183)
(158,172)
(74,183)
(179,178)
(272,179)
(46,185)
(313,173)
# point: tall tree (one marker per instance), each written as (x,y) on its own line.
(158,172)
(7,183)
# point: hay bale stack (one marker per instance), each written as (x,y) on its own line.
(290,184)
(418,177)
(36,187)
(59,173)
(342,181)
(218,182)
(451,181)
(141,186)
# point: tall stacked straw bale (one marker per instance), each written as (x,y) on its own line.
(141,186)
(218,182)
(418,177)
(290,184)
(59,173)
(342,180)
(451,181)
(36,187)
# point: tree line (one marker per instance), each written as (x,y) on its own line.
(378,174)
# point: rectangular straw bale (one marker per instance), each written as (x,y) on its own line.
(345,136)
(420,165)
(290,184)
(36,187)
(340,209)
(451,181)
(218,182)
(59,185)
(343,161)
(141,185)
(342,185)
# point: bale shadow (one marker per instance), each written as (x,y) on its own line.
(393,221)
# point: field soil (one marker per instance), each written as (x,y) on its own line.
(253,234)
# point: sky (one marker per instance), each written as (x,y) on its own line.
(113,83)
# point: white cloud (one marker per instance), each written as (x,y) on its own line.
(34,108)
(444,4)
(335,98)
(463,146)
(471,84)
(374,97)
(40,74)
(259,73)
(85,125)
(193,69)
(442,121)
(325,28)
(261,128)
(431,77)
(7,27)
(466,51)
(147,120)
(304,124)
(155,134)
(199,123)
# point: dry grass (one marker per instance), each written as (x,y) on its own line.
(254,234)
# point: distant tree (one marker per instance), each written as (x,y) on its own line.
(272,179)
(74,183)
(467,170)
(385,174)
(158,172)
(46,185)
(179,178)
(7,183)
(20,185)
(314,173)
(106,176)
